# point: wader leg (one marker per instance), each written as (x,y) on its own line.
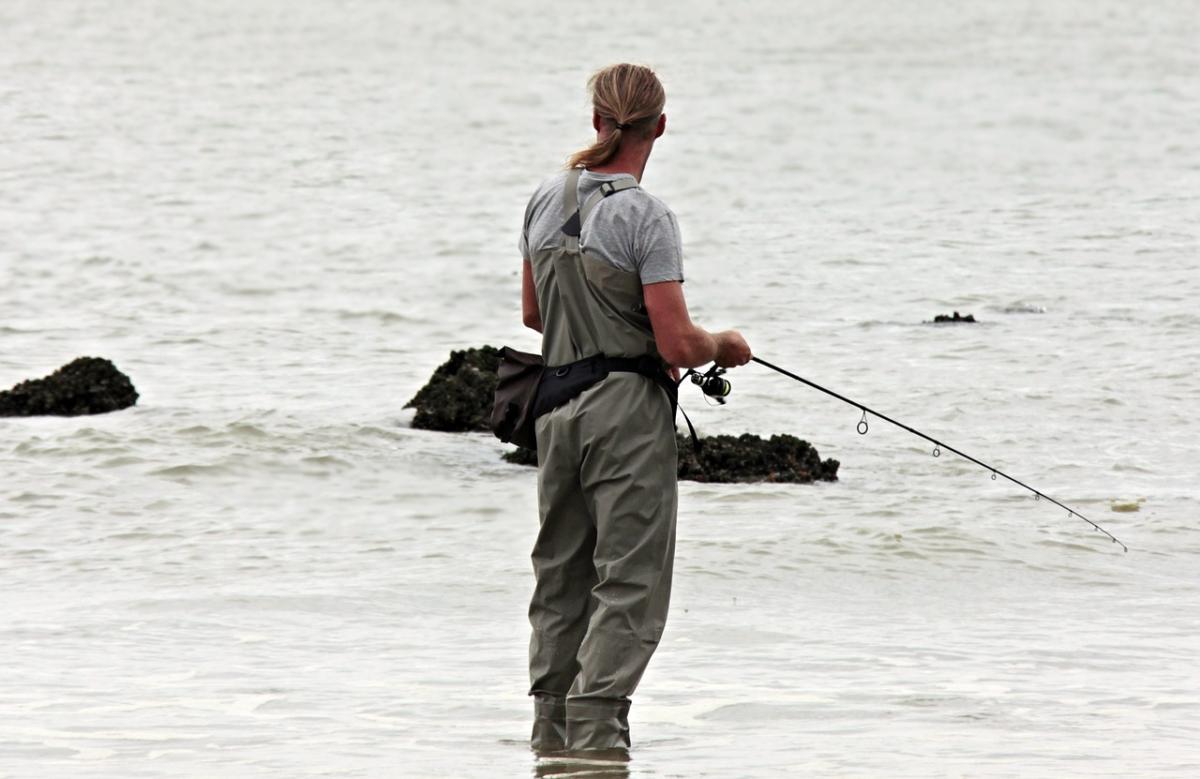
(629,475)
(549,723)
(598,724)
(562,562)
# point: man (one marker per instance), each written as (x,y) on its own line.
(602,282)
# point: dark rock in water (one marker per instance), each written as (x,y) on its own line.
(744,458)
(459,395)
(458,398)
(956,318)
(87,385)
(520,456)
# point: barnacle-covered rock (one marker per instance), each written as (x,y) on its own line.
(86,385)
(459,395)
(747,458)
(744,458)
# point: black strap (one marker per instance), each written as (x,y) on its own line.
(651,369)
(696,445)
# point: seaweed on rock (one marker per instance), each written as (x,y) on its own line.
(751,458)
(745,458)
(458,397)
(520,456)
(86,385)
(941,319)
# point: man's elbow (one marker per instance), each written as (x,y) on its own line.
(685,351)
(533,321)
(673,355)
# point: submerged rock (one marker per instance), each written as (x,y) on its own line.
(1021,307)
(957,317)
(458,397)
(86,385)
(744,458)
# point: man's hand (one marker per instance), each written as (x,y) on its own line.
(732,349)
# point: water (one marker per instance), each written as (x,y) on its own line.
(279,219)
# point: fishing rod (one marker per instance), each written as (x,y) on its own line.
(712,384)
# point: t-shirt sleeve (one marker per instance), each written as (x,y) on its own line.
(523,242)
(659,250)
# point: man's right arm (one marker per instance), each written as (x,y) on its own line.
(530,314)
(680,342)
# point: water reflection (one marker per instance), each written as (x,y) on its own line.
(593,763)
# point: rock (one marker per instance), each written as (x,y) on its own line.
(86,385)
(520,456)
(459,395)
(744,458)
(956,318)
(458,398)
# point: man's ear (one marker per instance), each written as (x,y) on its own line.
(596,121)
(662,126)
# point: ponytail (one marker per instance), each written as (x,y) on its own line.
(631,98)
(600,152)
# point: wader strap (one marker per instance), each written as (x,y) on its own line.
(571,193)
(606,188)
(574,219)
(571,223)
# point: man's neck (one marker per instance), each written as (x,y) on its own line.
(630,159)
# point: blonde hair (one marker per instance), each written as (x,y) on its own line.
(629,96)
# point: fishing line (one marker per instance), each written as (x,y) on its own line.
(863,426)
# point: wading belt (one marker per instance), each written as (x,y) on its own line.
(564,383)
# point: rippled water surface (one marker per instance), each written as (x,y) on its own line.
(278,218)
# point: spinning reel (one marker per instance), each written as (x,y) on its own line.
(712,383)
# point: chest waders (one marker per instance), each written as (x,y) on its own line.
(606,498)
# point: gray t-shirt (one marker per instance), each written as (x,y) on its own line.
(631,230)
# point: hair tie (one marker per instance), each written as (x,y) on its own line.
(625,126)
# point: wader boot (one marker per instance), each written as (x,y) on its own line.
(549,723)
(606,497)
